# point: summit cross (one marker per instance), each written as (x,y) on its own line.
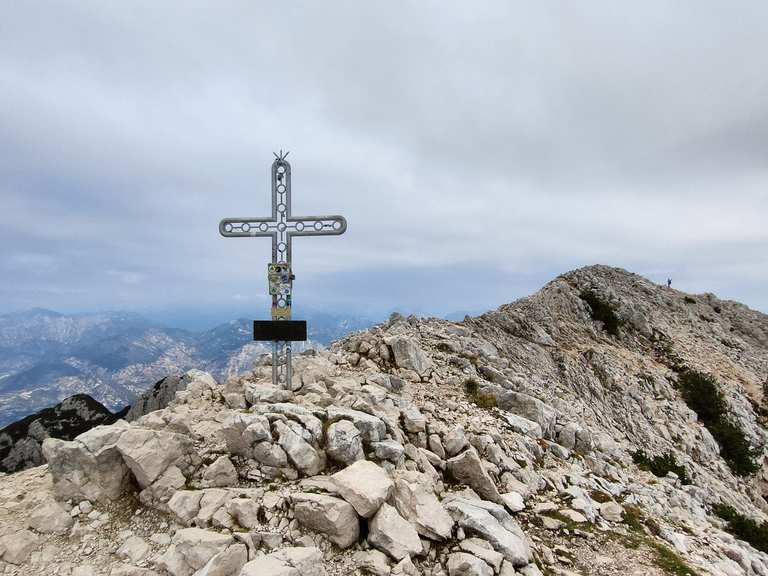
(282,226)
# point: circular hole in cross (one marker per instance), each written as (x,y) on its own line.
(245,227)
(281,207)
(299,226)
(227,227)
(318,226)
(263,226)
(281,226)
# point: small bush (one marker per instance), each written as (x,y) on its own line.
(689,300)
(702,394)
(487,401)
(660,465)
(747,529)
(472,388)
(603,312)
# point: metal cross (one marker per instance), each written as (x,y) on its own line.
(282,227)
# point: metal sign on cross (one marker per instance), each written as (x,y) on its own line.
(281,227)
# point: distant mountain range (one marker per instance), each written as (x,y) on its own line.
(46,356)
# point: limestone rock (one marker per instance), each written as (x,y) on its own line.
(513,501)
(417,503)
(409,355)
(467,468)
(17,547)
(133,549)
(90,466)
(287,562)
(492,523)
(343,442)
(191,550)
(391,533)
(371,428)
(228,562)
(50,517)
(307,460)
(328,515)
(455,441)
(148,453)
(463,564)
(611,511)
(365,485)
(373,562)
(221,473)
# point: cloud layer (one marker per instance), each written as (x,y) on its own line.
(476,149)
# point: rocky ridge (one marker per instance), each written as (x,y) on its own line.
(500,445)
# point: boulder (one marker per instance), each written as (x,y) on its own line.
(89,467)
(467,468)
(49,517)
(365,485)
(343,442)
(242,431)
(228,562)
(409,355)
(523,425)
(15,548)
(415,500)
(328,515)
(463,564)
(287,562)
(492,523)
(148,453)
(301,453)
(413,419)
(611,511)
(221,473)
(373,562)
(371,428)
(133,549)
(185,504)
(484,551)
(390,450)
(256,393)
(191,549)
(245,511)
(526,406)
(391,533)
(455,441)
(513,501)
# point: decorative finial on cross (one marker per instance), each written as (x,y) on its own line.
(281,227)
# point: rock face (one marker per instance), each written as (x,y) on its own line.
(423,446)
(157,397)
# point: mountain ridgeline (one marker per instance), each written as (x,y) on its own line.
(46,357)
(604,426)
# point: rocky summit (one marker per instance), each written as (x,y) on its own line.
(603,426)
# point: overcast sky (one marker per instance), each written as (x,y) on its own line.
(477,149)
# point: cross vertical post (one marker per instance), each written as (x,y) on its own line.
(282,226)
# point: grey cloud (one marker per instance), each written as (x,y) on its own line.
(476,150)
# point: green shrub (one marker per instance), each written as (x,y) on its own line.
(689,300)
(472,388)
(660,465)
(602,311)
(702,394)
(747,529)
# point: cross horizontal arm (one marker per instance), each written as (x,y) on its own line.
(316,225)
(239,227)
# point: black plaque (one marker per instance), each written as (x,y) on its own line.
(280,330)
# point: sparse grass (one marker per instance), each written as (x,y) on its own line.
(483,400)
(633,518)
(600,497)
(747,529)
(602,311)
(660,465)
(702,394)
(669,561)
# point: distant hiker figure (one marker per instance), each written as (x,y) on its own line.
(669,282)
